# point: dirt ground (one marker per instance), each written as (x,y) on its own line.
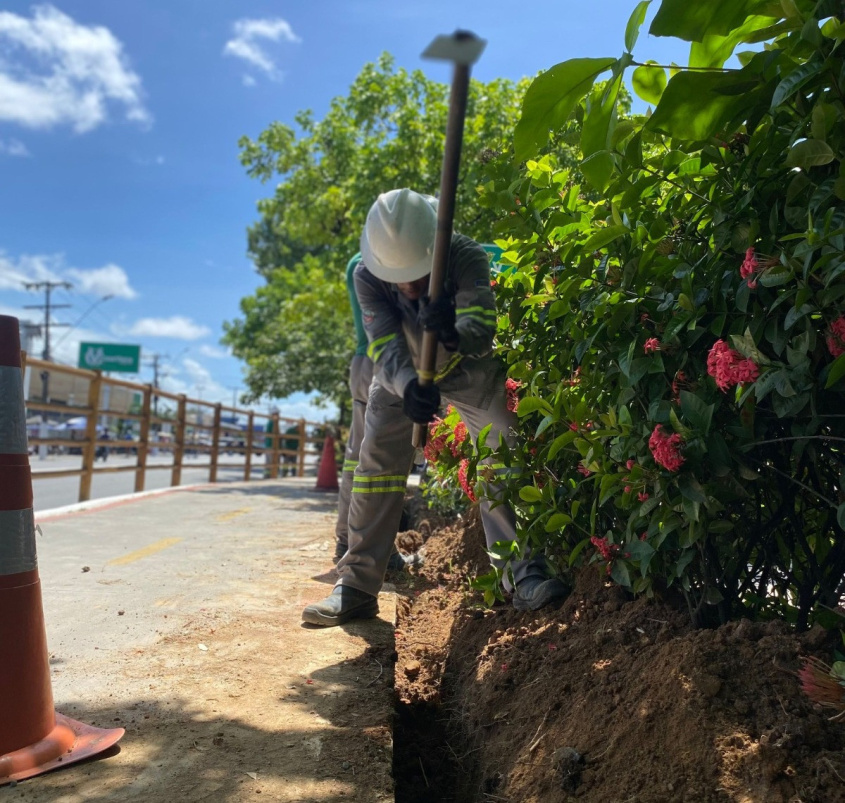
(230,698)
(605,700)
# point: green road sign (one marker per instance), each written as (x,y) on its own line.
(110,357)
(494,253)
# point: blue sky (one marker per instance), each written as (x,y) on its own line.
(119,124)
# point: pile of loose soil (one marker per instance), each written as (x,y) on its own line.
(605,700)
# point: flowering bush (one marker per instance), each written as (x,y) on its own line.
(447,452)
(667,309)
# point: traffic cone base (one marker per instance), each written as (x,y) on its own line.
(327,475)
(33,737)
(68,742)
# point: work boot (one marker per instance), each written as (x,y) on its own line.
(343,604)
(536,592)
(399,562)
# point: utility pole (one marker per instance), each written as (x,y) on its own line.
(47,306)
(155,364)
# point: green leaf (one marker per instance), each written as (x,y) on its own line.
(796,79)
(693,21)
(837,371)
(698,105)
(620,574)
(596,133)
(809,153)
(649,82)
(557,521)
(632,29)
(604,236)
(550,100)
(714,50)
(529,493)
(502,550)
(691,489)
(697,412)
(840,515)
(577,550)
(531,404)
(559,442)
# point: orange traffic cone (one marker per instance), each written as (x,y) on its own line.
(327,475)
(33,737)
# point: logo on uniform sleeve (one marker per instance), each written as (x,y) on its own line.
(368,315)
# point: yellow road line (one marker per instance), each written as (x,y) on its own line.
(158,546)
(233,514)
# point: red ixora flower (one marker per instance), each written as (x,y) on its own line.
(836,337)
(642,496)
(582,469)
(436,441)
(460,437)
(462,479)
(728,367)
(651,345)
(512,387)
(666,449)
(604,547)
(749,267)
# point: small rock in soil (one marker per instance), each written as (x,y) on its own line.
(569,763)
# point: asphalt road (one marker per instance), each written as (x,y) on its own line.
(58,492)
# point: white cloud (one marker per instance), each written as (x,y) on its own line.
(214,353)
(40,268)
(248,80)
(55,71)
(197,373)
(248,44)
(177,326)
(13,147)
(110,280)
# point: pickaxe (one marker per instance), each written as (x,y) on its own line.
(463,49)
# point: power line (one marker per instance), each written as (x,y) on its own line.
(47,306)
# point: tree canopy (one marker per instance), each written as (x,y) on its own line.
(296,331)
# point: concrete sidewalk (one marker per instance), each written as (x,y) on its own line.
(177,616)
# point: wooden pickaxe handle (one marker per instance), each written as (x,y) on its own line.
(463,48)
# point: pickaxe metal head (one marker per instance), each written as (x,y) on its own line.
(462,47)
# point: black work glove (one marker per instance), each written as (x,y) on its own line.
(421,403)
(439,316)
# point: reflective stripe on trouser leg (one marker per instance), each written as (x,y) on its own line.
(378,491)
(500,521)
(360,377)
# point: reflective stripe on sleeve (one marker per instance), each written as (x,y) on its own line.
(480,314)
(349,465)
(454,362)
(12,415)
(17,540)
(377,347)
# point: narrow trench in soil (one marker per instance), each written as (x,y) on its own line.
(424,768)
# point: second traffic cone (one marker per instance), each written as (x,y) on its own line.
(33,737)
(327,475)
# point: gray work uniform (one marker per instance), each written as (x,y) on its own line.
(470,379)
(360,376)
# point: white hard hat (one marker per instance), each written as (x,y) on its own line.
(398,240)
